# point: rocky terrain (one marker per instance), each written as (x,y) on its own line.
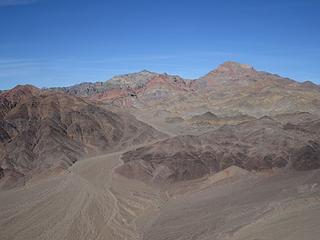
(42,130)
(233,155)
(254,145)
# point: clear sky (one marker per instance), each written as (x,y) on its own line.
(63,42)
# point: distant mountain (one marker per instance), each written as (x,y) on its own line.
(237,89)
(86,89)
(136,89)
(231,89)
(41,130)
(235,74)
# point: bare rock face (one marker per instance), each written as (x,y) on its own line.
(142,88)
(42,130)
(255,145)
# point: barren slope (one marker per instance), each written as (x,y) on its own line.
(282,206)
(254,145)
(42,130)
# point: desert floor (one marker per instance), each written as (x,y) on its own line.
(90,201)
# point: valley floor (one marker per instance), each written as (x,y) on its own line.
(90,201)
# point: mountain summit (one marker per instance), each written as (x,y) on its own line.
(233,73)
(233,66)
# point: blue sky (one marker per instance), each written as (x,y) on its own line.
(63,42)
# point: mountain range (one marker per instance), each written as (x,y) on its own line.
(230,89)
(232,155)
(53,128)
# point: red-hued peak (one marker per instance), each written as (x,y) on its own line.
(234,66)
(20,92)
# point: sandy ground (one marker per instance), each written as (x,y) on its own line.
(89,201)
(246,207)
(83,203)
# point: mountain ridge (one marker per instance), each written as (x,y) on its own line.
(44,130)
(256,145)
(228,66)
(230,88)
